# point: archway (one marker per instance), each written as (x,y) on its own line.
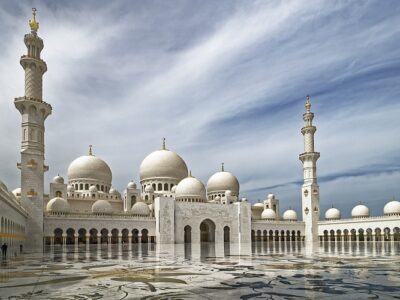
(104,236)
(188,234)
(82,236)
(227,234)
(207,231)
(93,236)
(125,236)
(114,236)
(70,236)
(145,238)
(58,239)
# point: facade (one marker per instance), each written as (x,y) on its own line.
(168,206)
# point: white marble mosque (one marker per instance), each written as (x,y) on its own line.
(169,205)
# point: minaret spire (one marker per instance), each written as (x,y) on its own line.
(34,112)
(90,150)
(310,189)
(222,167)
(163,144)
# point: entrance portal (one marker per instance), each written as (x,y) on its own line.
(207,231)
(188,234)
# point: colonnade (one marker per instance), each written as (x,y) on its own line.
(276,235)
(386,234)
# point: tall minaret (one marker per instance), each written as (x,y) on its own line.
(34,112)
(310,189)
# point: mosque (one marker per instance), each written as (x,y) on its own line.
(169,205)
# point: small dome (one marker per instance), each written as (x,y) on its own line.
(90,167)
(70,189)
(163,164)
(223,181)
(58,179)
(93,189)
(268,214)
(190,187)
(58,204)
(271,196)
(3,186)
(332,214)
(113,192)
(392,208)
(17,192)
(131,185)
(258,205)
(13,197)
(102,207)
(151,206)
(244,199)
(173,190)
(290,215)
(228,193)
(141,209)
(149,189)
(360,211)
(217,199)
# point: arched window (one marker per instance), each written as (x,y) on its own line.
(102,188)
(86,186)
(81,186)
(159,187)
(58,194)
(165,186)
(98,187)
(154,186)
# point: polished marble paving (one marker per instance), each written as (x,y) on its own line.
(287,270)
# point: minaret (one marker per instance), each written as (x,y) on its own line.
(34,112)
(310,189)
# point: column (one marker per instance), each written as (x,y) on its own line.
(52,243)
(64,241)
(76,241)
(130,242)
(119,243)
(87,241)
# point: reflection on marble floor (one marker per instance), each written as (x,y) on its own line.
(285,270)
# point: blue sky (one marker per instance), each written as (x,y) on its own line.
(223,81)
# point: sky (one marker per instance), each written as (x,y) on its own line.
(222,81)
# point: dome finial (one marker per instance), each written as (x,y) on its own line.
(222,167)
(163,144)
(308,103)
(90,150)
(33,23)
(190,173)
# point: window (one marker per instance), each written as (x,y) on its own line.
(165,186)
(58,194)
(159,187)
(81,186)
(86,186)
(102,188)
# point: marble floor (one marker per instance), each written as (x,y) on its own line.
(287,270)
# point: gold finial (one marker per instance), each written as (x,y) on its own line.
(222,167)
(163,144)
(90,150)
(33,23)
(190,173)
(308,104)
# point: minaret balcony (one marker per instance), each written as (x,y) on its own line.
(311,156)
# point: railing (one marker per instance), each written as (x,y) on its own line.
(96,216)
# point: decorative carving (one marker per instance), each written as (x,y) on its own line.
(31,193)
(306,193)
(306,210)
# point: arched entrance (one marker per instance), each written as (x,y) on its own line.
(227,234)
(207,231)
(188,234)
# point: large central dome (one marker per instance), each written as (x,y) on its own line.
(90,167)
(163,164)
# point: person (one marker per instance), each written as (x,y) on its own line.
(4,250)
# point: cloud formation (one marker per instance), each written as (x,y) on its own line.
(222,81)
